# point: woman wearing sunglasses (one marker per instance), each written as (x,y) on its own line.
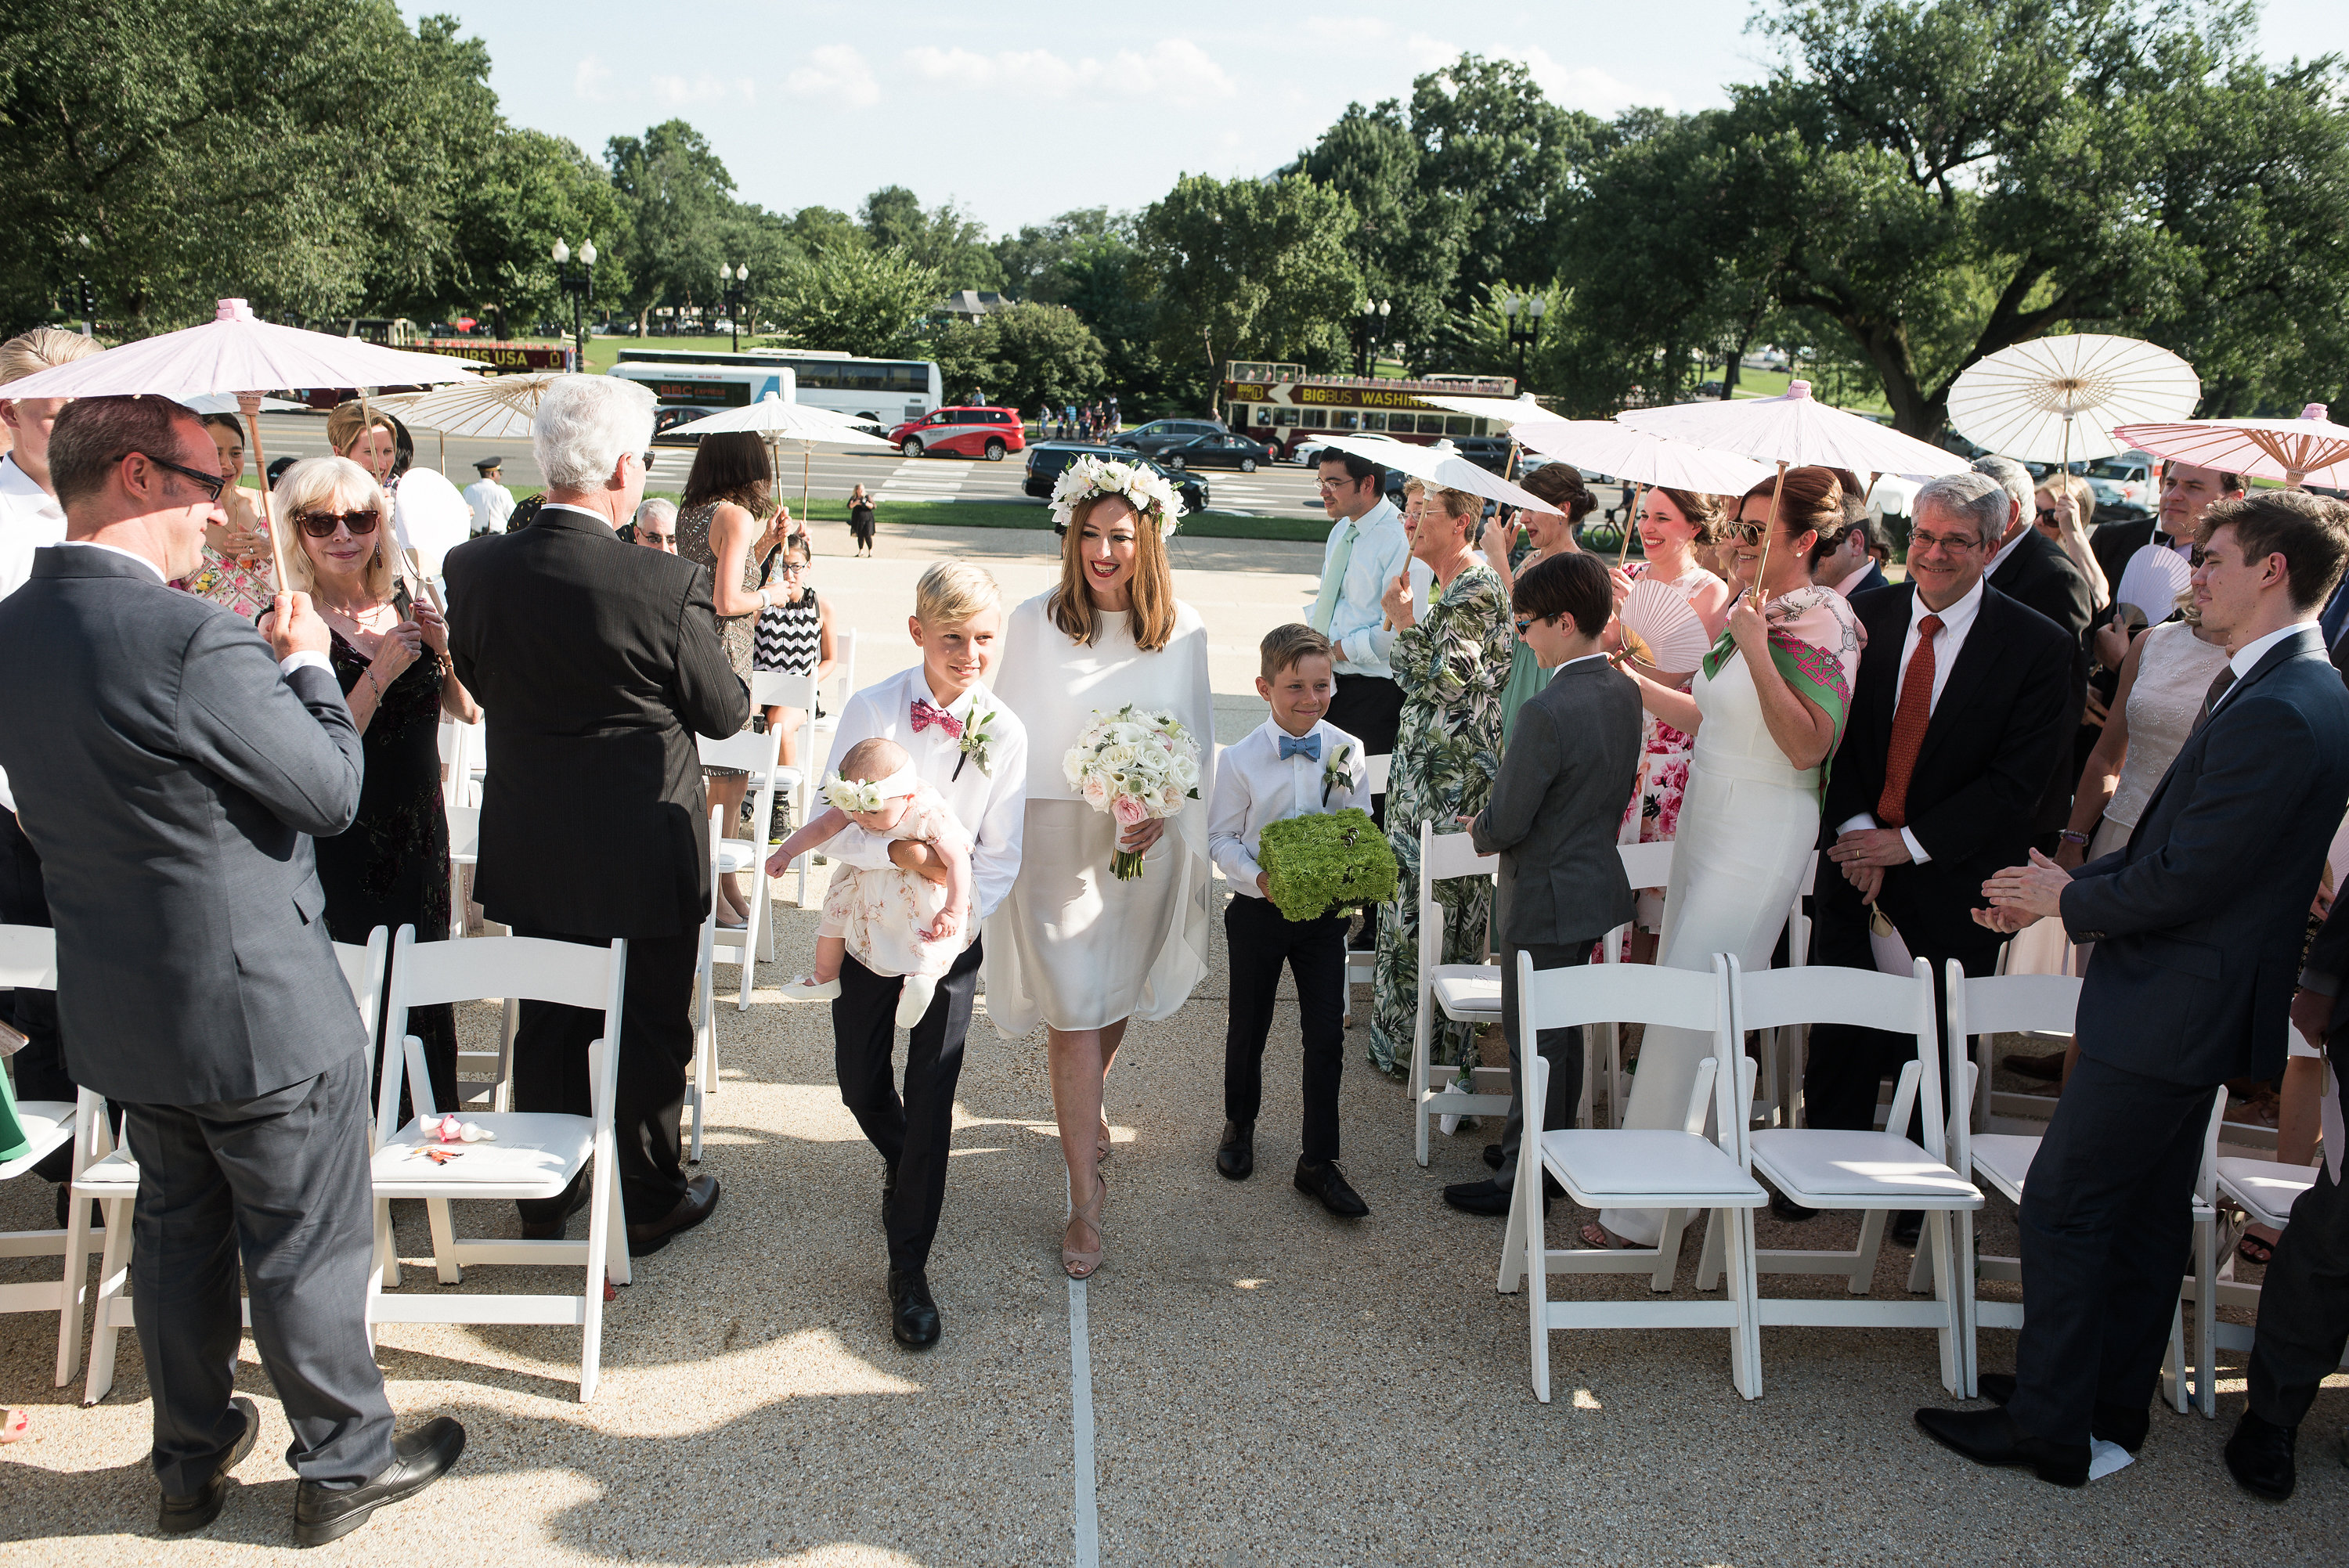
(390,653)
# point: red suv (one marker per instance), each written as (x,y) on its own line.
(962,432)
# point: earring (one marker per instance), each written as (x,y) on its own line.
(376,559)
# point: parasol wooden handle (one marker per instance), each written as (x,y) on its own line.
(268,512)
(1769,534)
(1631,521)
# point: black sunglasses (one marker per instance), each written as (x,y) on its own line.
(321,524)
(210,484)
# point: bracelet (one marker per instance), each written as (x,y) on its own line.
(375,683)
(2069,837)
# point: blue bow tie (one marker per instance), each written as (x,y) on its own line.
(1290,746)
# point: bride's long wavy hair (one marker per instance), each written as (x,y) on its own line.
(1152,587)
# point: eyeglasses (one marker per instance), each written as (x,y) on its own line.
(210,484)
(321,524)
(1956,543)
(793,567)
(1526,621)
(1339,484)
(2048,514)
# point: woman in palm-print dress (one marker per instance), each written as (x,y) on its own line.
(1451,668)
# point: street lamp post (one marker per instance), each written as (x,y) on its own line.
(88,296)
(733,283)
(580,284)
(1520,337)
(1375,317)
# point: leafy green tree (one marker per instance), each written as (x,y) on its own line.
(1025,355)
(1409,235)
(944,239)
(675,194)
(1246,269)
(867,300)
(532,190)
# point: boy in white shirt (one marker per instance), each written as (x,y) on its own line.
(1294,765)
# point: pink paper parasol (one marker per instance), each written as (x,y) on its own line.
(2297,451)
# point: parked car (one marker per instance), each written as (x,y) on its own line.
(1307,448)
(1155,437)
(1047,458)
(1225,451)
(2126,480)
(1488,452)
(962,432)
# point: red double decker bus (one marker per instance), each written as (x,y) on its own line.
(1281,403)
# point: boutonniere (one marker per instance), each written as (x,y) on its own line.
(1338,772)
(976,737)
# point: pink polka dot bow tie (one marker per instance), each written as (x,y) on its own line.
(927,713)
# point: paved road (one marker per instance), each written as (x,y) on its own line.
(1284,491)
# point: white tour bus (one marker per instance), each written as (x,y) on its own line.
(887,391)
(686,390)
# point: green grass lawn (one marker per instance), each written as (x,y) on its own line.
(1770,383)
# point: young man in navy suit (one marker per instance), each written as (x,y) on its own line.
(2197,923)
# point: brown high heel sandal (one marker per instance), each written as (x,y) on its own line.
(1080,1265)
(1102,1148)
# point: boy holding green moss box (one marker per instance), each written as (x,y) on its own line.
(1294,765)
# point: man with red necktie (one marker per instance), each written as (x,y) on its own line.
(973,751)
(1957,718)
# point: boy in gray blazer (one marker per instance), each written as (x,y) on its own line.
(1555,809)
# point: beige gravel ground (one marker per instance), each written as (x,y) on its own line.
(1270,1385)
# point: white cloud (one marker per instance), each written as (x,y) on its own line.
(592,80)
(1423,53)
(835,70)
(704,89)
(1588,88)
(1174,71)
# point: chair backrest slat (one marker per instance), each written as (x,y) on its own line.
(751,750)
(28,957)
(1771,998)
(2015,1004)
(1626,993)
(524,969)
(773,688)
(1379,768)
(1443,856)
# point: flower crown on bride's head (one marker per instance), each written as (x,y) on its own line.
(1147,492)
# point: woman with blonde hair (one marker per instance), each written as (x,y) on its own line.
(2064,508)
(30,516)
(390,653)
(1074,948)
(429,515)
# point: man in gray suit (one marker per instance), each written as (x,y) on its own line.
(170,767)
(1556,807)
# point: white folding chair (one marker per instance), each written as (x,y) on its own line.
(1681,1171)
(110,1178)
(464,849)
(535,1154)
(464,755)
(1362,963)
(1644,865)
(1872,1172)
(701,1081)
(1465,993)
(827,723)
(28,957)
(755,752)
(2266,1191)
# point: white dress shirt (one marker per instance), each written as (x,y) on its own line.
(492,503)
(1256,788)
(30,517)
(991,805)
(1381,550)
(1948,643)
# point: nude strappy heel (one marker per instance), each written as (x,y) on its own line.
(1102,1149)
(1080,1265)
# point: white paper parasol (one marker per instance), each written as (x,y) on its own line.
(2057,398)
(2156,575)
(2297,451)
(779,421)
(1640,458)
(492,408)
(225,403)
(1659,614)
(1501,410)
(238,352)
(1797,430)
(1440,466)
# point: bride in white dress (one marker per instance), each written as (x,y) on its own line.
(1073,946)
(1766,711)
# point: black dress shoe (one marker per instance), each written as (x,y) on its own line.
(2258,1455)
(1236,1155)
(418,1460)
(1492,1157)
(1490,1197)
(1786,1209)
(2114,1423)
(700,1201)
(1326,1182)
(179,1515)
(573,1198)
(1905,1227)
(913,1316)
(1991,1438)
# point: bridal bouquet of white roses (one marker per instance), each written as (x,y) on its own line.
(1134,764)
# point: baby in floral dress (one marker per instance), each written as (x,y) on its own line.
(896,921)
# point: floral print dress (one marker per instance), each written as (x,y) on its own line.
(882,914)
(1451,668)
(1654,815)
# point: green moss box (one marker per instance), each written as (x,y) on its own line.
(1330,861)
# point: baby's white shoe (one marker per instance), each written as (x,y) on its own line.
(913,1000)
(808,988)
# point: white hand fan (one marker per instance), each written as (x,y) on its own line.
(2155,577)
(1660,629)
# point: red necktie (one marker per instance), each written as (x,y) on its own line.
(1908,723)
(927,713)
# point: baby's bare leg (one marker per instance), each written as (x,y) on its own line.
(828,951)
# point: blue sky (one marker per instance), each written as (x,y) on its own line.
(1019,111)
